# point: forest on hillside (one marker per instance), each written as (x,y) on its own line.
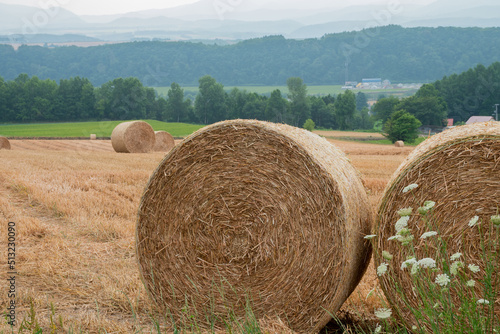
(391,52)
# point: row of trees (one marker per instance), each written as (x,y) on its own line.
(28,99)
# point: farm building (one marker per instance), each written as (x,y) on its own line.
(478,119)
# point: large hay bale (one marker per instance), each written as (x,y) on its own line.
(93,136)
(164,141)
(247,209)
(399,143)
(133,137)
(458,169)
(4,143)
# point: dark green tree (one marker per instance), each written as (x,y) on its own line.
(426,105)
(361,101)
(345,106)
(210,103)
(402,126)
(299,106)
(383,109)
(276,107)
(177,106)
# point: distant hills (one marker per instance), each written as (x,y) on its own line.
(250,19)
(390,52)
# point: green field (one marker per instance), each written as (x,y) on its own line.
(312,90)
(84,129)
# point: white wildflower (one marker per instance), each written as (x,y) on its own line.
(428,234)
(473,268)
(377,330)
(414,327)
(383,313)
(402,223)
(471,283)
(483,301)
(393,237)
(473,221)
(370,236)
(454,267)
(414,268)
(495,219)
(386,255)
(408,263)
(410,187)
(455,256)
(429,204)
(405,212)
(442,280)
(382,269)
(427,263)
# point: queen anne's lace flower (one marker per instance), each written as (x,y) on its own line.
(471,283)
(410,187)
(405,212)
(383,313)
(370,236)
(386,255)
(382,269)
(408,263)
(483,301)
(428,234)
(455,256)
(442,280)
(495,219)
(473,268)
(454,267)
(427,263)
(402,223)
(473,221)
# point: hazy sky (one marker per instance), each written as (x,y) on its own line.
(102,7)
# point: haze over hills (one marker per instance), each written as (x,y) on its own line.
(206,20)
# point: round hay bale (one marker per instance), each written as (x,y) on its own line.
(399,143)
(93,136)
(459,170)
(248,210)
(4,143)
(133,137)
(164,141)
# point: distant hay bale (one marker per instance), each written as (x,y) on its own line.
(93,136)
(399,143)
(248,209)
(459,169)
(164,141)
(4,143)
(133,137)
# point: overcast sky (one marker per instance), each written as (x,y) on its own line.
(104,7)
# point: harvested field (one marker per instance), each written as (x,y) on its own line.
(75,205)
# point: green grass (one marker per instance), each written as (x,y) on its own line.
(84,129)
(312,90)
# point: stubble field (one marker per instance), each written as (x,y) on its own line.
(74,204)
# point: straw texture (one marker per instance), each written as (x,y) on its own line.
(248,209)
(399,143)
(133,137)
(164,141)
(4,143)
(459,169)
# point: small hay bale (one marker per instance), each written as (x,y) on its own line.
(93,136)
(4,143)
(164,141)
(458,169)
(399,143)
(248,209)
(133,137)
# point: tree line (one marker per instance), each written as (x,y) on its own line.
(391,52)
(30,99)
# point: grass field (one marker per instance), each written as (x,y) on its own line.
(312,90)
(84,129)
(75,205)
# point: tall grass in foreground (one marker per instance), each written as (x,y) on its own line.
(448,293)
